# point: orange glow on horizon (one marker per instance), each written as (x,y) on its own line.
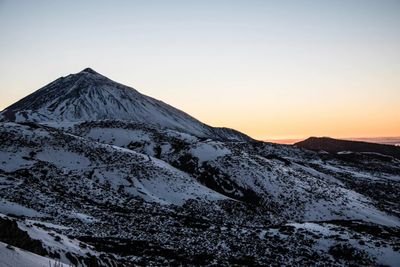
(270,69)
(279,117)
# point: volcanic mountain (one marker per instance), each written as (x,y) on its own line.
(90,96)
(94,173)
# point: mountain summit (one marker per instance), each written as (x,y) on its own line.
(89,70)
(90,96)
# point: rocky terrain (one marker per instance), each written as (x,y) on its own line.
(93,173)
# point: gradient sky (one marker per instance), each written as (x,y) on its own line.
(272,69)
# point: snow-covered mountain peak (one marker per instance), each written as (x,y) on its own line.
(91,75)
(89,70)
(90,96)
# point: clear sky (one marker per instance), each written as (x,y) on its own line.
(272,69)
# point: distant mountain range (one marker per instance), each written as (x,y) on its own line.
(94,173)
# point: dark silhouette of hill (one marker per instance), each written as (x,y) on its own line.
(335,145)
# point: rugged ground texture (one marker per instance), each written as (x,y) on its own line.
(159,198)
(107,192)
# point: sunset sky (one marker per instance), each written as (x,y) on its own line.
(272,69)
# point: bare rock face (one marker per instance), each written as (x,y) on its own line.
(12,235)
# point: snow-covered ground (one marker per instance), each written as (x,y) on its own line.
(7,207)
(97,172)
(11,257)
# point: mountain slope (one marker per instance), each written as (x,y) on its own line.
(89,96)
(132,190)
(277,177)
(42,149)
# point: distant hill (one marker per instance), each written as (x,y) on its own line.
(378,140)
(335,145)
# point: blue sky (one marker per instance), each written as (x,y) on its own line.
(273,69)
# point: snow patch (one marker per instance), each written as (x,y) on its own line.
(209,151)
(11,256)
(7,207)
